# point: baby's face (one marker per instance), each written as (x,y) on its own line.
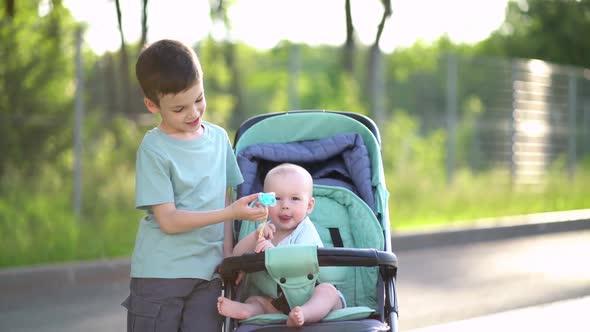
(294,201)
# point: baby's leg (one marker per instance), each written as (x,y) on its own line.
(323,300)
(255,305)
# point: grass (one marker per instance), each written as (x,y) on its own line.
(422,203)
(38,228)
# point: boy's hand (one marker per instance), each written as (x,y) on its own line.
(262,244)
(242,210)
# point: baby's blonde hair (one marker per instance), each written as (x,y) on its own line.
(288,168)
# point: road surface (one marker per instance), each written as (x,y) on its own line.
(435,286)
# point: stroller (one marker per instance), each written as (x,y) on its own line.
(342,152)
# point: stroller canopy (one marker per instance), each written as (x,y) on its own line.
(340,160)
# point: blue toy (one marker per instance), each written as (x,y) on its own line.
(265,199)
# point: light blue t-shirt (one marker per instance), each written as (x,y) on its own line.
(194,175)
(304,233)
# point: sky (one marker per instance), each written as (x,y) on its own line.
(263,23)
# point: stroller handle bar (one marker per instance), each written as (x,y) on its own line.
(254,262)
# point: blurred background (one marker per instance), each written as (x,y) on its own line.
(483,106)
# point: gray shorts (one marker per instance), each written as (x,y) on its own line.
(164,305)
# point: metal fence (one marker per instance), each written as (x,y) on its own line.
(518,115)
(515,114)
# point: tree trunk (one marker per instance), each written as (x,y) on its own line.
(229,54)
(348,56)
(375,66)
(112,100)
(144,26)
(386,14)
(124,55)
(237,112)
(9,8)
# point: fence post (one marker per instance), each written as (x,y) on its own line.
(572,88)
(293,67)
(78,123)
(512,122)
(451,115)
(378,101)
(585,134)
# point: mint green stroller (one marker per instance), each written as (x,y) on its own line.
(342,151)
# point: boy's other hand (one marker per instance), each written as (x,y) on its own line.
(242,210)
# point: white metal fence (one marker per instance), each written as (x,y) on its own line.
(522,115)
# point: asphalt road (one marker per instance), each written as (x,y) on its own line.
(440,285)
(435,285)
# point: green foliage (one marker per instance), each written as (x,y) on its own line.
(36,80)
(420,196)
(553,31)
(408,154)
(265,79)
(39,227)
(216,78)
(37,223)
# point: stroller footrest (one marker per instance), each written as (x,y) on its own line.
(350,313)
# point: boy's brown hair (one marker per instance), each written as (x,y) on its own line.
(167,67)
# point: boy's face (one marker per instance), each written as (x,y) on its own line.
(182,113)
(294,200)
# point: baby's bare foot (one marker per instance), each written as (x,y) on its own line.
(233,309)
(296,318)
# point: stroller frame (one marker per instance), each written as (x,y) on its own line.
(385,260)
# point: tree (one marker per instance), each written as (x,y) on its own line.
(144,25)
(9,6)
(375,61)
(348,50)
(554,31)
(230,55)
(124,58)
(35,80)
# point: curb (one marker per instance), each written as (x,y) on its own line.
(492,229)
(27,279)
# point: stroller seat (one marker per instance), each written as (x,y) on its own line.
(342,220)
(297,278)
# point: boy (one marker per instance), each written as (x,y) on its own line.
(293,188)
(183,169)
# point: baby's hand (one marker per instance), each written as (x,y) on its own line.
(262,245)
(266,231)
(243,211)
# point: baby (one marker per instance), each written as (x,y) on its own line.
(290,224)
